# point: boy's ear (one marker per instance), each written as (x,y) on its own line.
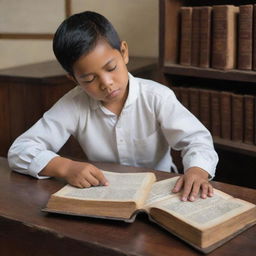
(124,51)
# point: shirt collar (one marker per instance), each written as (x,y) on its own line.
(133,90)
(132,94)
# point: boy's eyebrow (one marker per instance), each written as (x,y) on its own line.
(88,74)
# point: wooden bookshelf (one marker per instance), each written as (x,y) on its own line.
(237,147)
(174,74)
(231,75)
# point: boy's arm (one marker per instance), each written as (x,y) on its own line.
(79,174)
(33,150)
(186,133)
(192,181)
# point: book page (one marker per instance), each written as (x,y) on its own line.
(161,190)
(122,187)
(204,212)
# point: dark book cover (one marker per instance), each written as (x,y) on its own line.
(205,36)
(237,117)
(205,108)
(245,37)
(186,36)
(176,91)
(195,51)
(254,37)
(225,115)
(215,113)
(224,36)
(249,119)
(184,97)
(194,101)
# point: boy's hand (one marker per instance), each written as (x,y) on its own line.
(84,175)
(192,181)
(78,174)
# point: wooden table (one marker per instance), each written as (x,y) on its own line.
(26,230)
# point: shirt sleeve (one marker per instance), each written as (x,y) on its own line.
(185,133)
(32,151)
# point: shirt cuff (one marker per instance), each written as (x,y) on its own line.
(39,162)
(205,165)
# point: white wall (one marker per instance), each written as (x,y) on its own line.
(35,16)
(135,20)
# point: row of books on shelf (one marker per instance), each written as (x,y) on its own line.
(219,36)
(227,115)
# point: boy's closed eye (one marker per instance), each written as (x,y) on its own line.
(112,68)
(91,77)
(89,80)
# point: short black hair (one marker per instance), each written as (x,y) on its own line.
(78,35)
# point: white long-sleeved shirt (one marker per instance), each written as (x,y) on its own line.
(151,122)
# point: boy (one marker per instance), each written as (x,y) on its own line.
(115,117)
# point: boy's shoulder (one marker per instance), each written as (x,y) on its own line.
(74,99)
(154,89)
(76,95)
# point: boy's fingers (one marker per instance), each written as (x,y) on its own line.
(194,191)
(92,180)
(178,185)
(210,190)
(205,189)
(84,184)
(98,174)
(187,189)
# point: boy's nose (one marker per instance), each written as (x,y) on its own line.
(106,82)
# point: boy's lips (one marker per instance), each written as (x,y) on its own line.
(113,94)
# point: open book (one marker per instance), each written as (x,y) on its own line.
(204,224)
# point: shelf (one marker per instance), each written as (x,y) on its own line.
(237,147)
(232,75)
(234,156)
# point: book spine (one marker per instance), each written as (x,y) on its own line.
(225,115)
(204,102)
(255,121)
(194,101)
(205,36)
(245,37)
(186,33)
(215,113)
(224,36)
(249,119)
(195,36)
(176,91)
(237,117)
(254,37)
(184,97)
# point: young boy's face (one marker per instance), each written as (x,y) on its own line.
(103,73)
